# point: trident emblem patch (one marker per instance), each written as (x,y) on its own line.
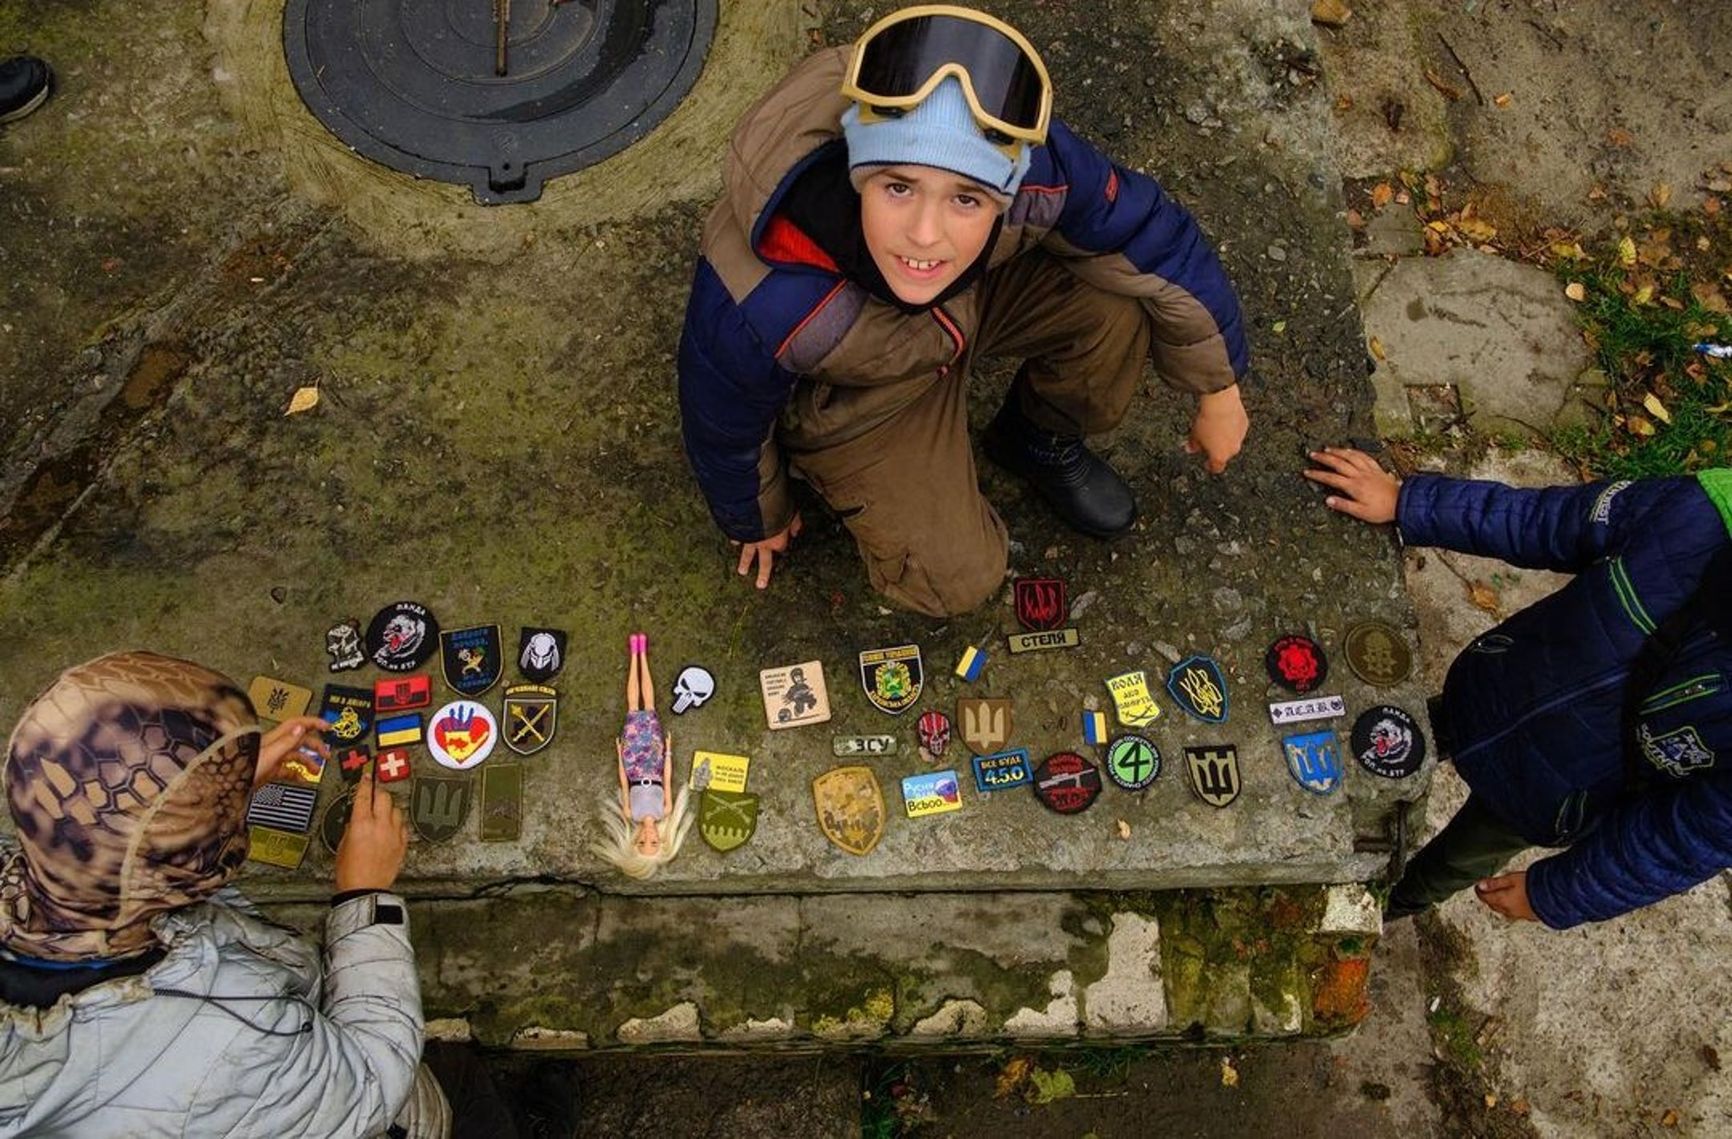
(1214,773)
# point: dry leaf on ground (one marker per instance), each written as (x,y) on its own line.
(1639,425)
(304,399)
(1382,194)
(1330,13)
(1657,409)
(1627,251)
(1013,1075)
(1502,100)
(1484,597)
(1229,1074)
(1660,195)
(1576,291)
(1377,348)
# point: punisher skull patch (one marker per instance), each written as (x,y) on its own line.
(1296,663)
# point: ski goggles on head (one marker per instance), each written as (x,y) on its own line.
(903,57)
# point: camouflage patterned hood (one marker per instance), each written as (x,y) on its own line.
(128,780)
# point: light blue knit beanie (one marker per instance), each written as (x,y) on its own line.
(940,132)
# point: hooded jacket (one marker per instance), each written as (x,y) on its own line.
(1536,708)
(235,1031)
(768,308)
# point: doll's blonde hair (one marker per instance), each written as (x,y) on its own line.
(619,844)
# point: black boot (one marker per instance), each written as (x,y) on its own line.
(1087,493)
(24,85)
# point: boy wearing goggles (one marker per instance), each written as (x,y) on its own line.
(894,210)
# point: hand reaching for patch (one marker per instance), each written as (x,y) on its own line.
(302,731)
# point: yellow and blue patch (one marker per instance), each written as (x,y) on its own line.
(1094,728)
(398,731)
(970,666)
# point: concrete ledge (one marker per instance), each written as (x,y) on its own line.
(552,970)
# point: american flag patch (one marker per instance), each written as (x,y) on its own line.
(282,806)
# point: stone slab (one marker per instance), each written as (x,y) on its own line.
(496,439)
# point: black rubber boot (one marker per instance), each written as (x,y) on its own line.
(1087,493)
(24,85)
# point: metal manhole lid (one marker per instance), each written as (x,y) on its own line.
(416,84)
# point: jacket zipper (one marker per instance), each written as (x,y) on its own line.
(1696,686)
(949,325)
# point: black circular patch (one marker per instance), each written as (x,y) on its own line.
(1388,742)
(402,637)
(1296,663)
(336,821)
(1377,654)
(1067,783)
(1133,761)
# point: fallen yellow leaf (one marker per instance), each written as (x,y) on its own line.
(1013,1075)
(1377,348)
(1229,1074)
(304,399)
(1484,597)
(1476,230)
(1660,195)
(1381,195)
(1643,295)
(1501,100)
(1640,426)
(1657,409)
(1670,1119)
(1124,829)
(1627,251)
(1576,291)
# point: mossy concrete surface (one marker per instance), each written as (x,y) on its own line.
(497,437)
(563,970)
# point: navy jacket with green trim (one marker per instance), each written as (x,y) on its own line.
(1536,705)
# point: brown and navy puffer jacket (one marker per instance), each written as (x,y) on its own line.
(768,307)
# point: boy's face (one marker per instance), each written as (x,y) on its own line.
(924,226)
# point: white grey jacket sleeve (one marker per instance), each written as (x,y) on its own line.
(355,1067)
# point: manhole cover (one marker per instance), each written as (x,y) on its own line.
(432,87)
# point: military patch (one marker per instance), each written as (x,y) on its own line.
(540,653)
(343,645)
(1314,761)
(1002,771)
(282,807)
(892,677)
(471,658)
(278,700)
(1133,762)
(303,766)
(502,802)
(1311,708)
(1067,783)
(1296,663)
(692,687)
(1386,741)
(1094,728)
(462,734)
(1377,654)
(1132,700)
(1214,773)
(845,746)
(352,762)
(933,732)
(402,637)
(349,712)
(334,823)
(716,771)
(1677,752)
(398,731)
(795,695)
(531,713)
(971,664)
(931,793)
(391,765)
(1036,642)
(275,848)
(1197,686)
(439,806)
(987,724)
(1040,603)
(726,819)
(850,808)
(402,693)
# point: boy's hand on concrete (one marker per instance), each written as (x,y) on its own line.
(1369,493)
(1219,429)
(764,553)
(372,849)
(302,731)
(1508,895)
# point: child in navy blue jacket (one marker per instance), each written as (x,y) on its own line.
(1599,719)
